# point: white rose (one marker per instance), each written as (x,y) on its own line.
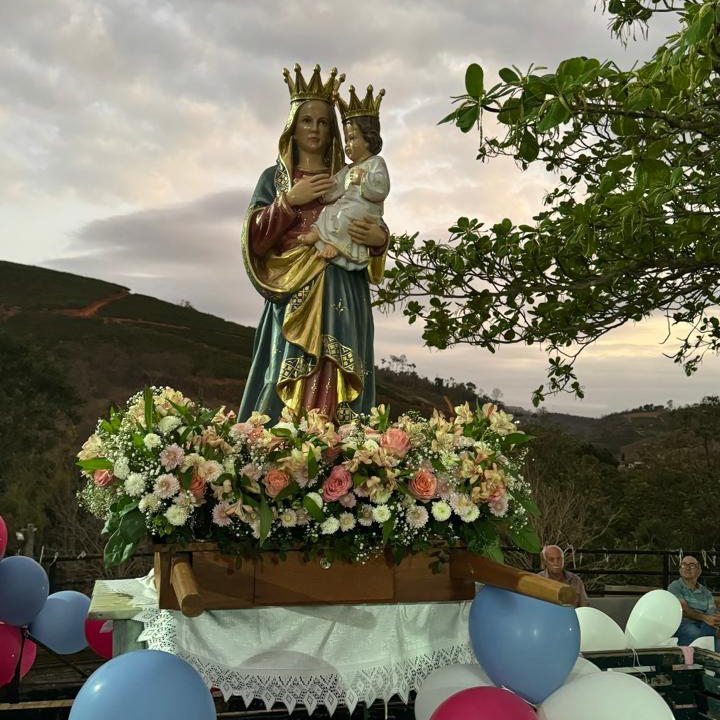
(152,441)
(330,526)
(441,510)
(135,485)
(176,515)
(381,513)
(168,424)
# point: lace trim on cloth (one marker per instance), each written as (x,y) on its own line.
(304,685)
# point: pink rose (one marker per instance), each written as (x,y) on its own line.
(103,478)
(197,486)
(423,486)
(275,481)
(337,484)
(396,442)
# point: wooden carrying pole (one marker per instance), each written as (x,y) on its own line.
(185,587)
(464,565)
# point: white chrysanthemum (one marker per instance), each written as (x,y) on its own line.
(381,513)
(177,515)
(316,498)
(135,485)
(166,486)
(121,468)
(330,526)
(471,514)
(168,424)
(417,516)
(347,521)
(365,515)
(441,510)
(461,503)
(380,498)
(152,441)
(149,503)
(288,518)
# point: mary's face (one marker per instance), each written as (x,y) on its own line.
(312,127)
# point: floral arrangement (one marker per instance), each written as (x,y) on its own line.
(166,468)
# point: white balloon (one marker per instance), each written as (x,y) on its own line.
(706,643)
(582,668)
(605,696)
(655,617)
(598,631)
(444,682)
(670,642)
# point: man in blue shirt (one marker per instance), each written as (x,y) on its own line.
(700,616)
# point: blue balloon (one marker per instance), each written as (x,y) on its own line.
(144,684)
(527,645)
(23,589)
(60,625)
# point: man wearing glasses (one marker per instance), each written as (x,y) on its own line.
(700,618)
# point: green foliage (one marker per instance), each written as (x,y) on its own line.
(631,228)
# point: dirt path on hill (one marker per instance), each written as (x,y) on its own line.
(92,309)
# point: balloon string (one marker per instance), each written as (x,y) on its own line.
(59,657)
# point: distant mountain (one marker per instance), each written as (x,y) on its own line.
(111,342)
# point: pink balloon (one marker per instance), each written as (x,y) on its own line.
(100,642)
(3,537)
(10,642)
(484,703)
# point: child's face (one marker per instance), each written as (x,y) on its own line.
(356,147)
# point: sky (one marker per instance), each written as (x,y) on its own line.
(132,133)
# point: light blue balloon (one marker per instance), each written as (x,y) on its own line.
(144,684)
(527,645)
(61,623)
(23,589)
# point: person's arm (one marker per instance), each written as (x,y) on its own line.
(338,187)
(370,232)
(375,183)
(582,599)
(688,612)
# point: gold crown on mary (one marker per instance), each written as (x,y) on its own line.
(369,105)
(301,91)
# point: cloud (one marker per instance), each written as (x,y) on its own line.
(132,134)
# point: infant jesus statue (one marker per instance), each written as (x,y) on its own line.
(358,189)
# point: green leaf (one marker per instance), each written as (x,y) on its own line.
(95,464)
(265,519)
(132,526)
(281,432)
(448,118)
(474,81)
(287,491)
(518,438)
(494,552)
(526,539)
(555,115)
(315,512)
(508,75)
(359,478)
(186,478)
(388,527)
(529,505)
(149,407)
(111,524)
(117,550)
(618,163)
(467,117)
(528,149)
(312,465)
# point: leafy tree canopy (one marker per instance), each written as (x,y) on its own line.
(631,227)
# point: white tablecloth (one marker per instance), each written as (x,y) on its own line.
(311,655)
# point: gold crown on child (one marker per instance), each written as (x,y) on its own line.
(356,108)
(300,90)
